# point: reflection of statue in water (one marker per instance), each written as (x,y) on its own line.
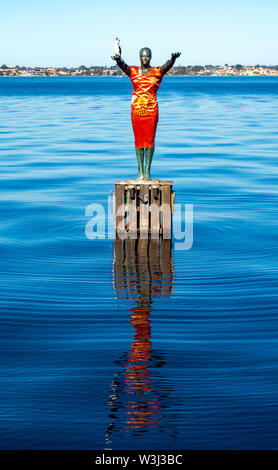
(141,272)
(144,108)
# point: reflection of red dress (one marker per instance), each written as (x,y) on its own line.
(144,106)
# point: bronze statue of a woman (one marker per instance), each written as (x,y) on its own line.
(144,107)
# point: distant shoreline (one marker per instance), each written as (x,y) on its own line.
(123,76)
(226,70)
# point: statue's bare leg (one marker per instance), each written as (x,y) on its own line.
(140,160)
(148,161)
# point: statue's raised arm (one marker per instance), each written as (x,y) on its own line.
(169,64)
(121,63)
(117,57)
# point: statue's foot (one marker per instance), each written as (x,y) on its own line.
(140,176)
(147,176)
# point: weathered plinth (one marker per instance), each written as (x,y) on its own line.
(143,208)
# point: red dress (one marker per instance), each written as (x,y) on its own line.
(144,106)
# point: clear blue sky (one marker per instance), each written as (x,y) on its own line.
(77,32)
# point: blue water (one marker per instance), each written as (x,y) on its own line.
(106,346)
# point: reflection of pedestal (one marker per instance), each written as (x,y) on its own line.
(143,208)
(143,268)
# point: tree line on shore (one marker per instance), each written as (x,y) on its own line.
(237,69)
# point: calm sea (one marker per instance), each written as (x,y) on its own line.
(159,348)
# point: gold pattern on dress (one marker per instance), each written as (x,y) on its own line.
(144,104)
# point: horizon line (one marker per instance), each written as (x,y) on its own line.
(114,65)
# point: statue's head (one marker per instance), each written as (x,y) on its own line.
(145,55)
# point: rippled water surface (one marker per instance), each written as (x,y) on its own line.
(107,345)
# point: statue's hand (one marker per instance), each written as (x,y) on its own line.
(175,55)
